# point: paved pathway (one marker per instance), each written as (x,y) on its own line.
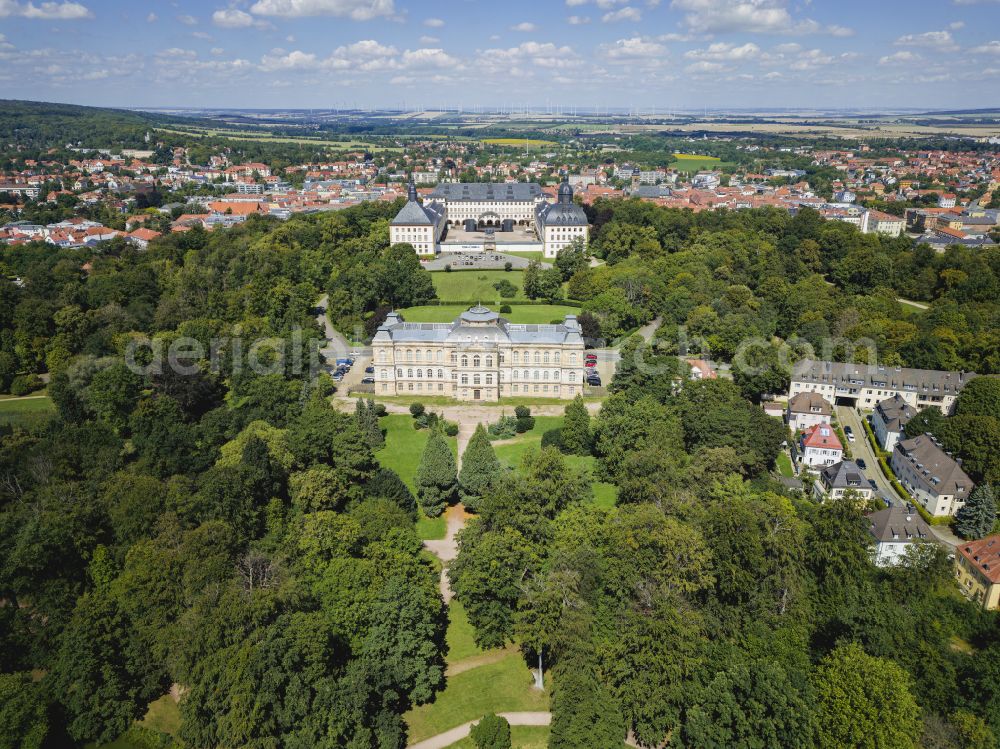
(446,739)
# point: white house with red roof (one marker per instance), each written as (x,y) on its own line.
(820,446)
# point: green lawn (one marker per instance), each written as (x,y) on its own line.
(521,737)
(25,411)
(785,465)
(163,715)
(504,686)
(510,453)
(696,162)
(520,313)
(460,637)
(403,447)
(476,285)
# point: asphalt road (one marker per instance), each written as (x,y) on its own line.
(861,448)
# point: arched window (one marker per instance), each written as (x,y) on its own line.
(538,357)
(465,379)
(475,361)
(409,373)
(545,375)
(409,355)
(558,355)
(381,356)
(517,357)
(440,374)
(546,358)
(572,358)
(418,354)
(420,372)
(399,373)
(454,357)
(475,379)
(465,360)
(430,355)
(440,356)
(572,376)
(382,375)
(489,361)
(536,374)
(489,379)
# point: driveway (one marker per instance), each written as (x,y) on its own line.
(861,448)
(458,733)
(337,347)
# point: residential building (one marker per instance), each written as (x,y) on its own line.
(807,410)
(864,385)
(877,222)
(977,570)
(836,480)
(420,225)
(820,446)
(888,420)
(142,237)
(932,477)
(895,529)
(478,357)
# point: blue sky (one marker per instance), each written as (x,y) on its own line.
(620,53)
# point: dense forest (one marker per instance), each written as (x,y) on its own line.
(231,533)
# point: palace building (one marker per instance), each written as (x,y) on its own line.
(478,357)
(505,217)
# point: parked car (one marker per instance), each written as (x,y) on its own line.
(368,381)
(591,357)
(369,370)
(861,463)
(594,381)
(590,364)
(850,434)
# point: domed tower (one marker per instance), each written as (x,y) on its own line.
(565,192)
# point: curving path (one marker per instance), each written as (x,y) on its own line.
(446,739)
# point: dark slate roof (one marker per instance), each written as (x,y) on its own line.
(844,475)
(561,214)
(487,191)
(651,191)
(891,378)
(809,403)
(938,472)
(898,523)
(415,214)
(481,324)
(895,412)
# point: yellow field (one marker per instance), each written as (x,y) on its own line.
(530,142)
(699,157)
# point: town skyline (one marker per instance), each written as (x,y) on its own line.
(397,54)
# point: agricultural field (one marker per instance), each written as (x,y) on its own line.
(476,285)
(520,313)
(520,142)
(264,137)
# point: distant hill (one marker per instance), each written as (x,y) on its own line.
(42,124)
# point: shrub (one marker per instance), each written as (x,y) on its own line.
(491,732)
(503,429)
(450,428)
(508,266)
(505,309)
(447,268)
(522,412)
(505,288)
(416,409)
(552,438)
(380,410)
(24,384)
(525,424)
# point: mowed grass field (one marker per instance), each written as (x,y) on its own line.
(521,737)
(403,447)
(690,162)
(476,285)
(520,313)
(27,411)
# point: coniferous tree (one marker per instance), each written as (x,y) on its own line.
(436,475)
(978,515)
(575,435)
(367,422)
(480,469)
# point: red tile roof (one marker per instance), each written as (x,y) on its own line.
(984,555)
(822,436)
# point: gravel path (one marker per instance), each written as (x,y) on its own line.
(446,739)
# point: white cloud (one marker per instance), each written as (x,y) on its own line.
(901,57)
(367,56)
(296,60)
(525,26)
(528,58)
(706,67)
(990,48)
(47,11)
(622,14)
(187,20)
(636,48)
(748,16)
(725,51)
(357,10)
(429,40)
(201,35)
(152,18)
(836,30)
(941,40)
(434,23)
(233,18)
(578,20)
(956,25)
(217,50)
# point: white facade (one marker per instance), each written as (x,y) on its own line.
(478,357)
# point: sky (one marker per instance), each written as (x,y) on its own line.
(639,54)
